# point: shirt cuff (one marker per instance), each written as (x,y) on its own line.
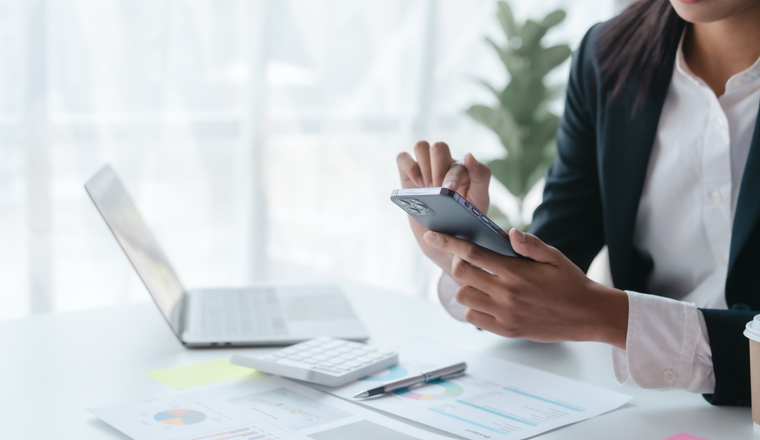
(667,346)
(447,289)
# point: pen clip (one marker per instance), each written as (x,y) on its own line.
(452,375)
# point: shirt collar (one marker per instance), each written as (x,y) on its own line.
(738,80)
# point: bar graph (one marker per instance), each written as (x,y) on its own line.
(505,410)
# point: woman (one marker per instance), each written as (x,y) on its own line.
(658,158)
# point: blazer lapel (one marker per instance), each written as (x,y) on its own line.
(624,157)
(748,204)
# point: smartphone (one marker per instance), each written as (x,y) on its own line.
(443,210)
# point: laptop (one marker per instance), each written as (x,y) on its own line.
(267,315)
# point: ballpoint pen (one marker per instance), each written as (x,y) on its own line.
(444,373)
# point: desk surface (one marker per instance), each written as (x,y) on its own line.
(54,366)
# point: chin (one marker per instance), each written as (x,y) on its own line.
(708,11)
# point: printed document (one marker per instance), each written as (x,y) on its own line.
(266,408)
(495,399)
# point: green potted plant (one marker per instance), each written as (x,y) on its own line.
(520,117)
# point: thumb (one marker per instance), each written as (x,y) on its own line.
(528,245)
(480,177)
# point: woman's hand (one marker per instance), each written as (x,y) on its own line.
(546,300)
(434,167)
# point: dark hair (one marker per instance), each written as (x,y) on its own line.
(636,43)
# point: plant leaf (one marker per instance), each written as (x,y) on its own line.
(506,20)
(545,60)
(507,57)
(500,122)
(530,34)
(553,19)
(509,172)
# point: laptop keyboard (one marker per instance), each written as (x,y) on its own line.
(241,313)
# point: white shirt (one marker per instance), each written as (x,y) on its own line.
(684,225)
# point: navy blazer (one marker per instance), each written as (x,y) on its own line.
(592,194)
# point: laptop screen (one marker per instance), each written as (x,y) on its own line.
(113,202)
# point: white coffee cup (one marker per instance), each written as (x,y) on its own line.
(752,332)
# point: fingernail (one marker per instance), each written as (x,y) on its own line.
(420,182)
(449,184)
(431,237)
(521,236)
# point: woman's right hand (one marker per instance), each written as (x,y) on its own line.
(435,167)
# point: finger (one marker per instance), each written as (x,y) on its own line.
(456,177)
(472,253)
(440,161)
(422,153)
(466,274)
(480,177)
(473,298)
(409,170)
(528,245)
(481,320)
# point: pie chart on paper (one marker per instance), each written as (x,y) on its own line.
(179,417)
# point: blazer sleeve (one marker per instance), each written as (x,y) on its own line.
(730,354)
(570,216)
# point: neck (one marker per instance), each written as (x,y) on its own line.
(718,50)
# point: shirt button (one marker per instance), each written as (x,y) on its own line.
(716,196)
(669,376)
(740,81)
(723,260)
(719,123)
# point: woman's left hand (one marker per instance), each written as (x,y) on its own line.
(546,300)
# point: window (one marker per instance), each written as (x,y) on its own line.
(258,138)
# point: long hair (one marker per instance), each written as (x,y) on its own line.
(636,43)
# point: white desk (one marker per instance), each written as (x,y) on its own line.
(54,366)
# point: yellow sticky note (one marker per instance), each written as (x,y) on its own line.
(201,373)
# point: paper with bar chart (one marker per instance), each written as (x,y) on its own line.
(495,399)
(264,408)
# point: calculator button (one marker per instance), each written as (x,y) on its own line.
(352,364)
(295,357)
(332,353)
(320,357)
(310,361)
(364,359)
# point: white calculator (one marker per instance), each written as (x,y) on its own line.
(324,361)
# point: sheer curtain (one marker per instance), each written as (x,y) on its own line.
(258,138)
